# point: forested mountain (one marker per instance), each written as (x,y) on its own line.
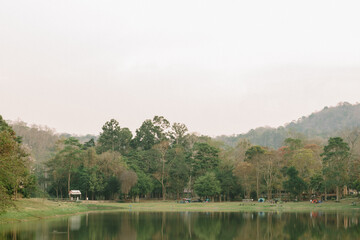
(328,122)
(41,140)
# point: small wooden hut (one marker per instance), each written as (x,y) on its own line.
(75,194)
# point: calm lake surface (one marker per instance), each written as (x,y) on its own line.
(190,225)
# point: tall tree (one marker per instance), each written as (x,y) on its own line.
(305,161)
(162,148)
(317,183)
(255,156)
(205,158)
(151,132)
(246,173)
(294,184)
(178,169)
(143,186)
(178,134)
(352,138)
(67,158)
(240,149)
(207,185)
(14,164)
(114,138)
(270,170)
(128,179)
(227,180)
(336,163)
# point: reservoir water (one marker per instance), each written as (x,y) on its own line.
(190,225)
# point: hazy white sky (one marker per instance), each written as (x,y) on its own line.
(220,67)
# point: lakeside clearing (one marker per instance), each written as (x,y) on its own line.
(32,209)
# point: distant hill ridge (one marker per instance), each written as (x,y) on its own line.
(321,125)
(41,140)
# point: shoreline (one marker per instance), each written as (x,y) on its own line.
(37,209)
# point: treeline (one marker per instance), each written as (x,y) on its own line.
(164,161)
(301,170)
(160,161)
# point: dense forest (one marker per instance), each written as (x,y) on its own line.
(162,160)
(329,122)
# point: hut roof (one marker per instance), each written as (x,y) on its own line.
(75,192)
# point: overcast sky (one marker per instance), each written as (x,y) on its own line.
(220,67)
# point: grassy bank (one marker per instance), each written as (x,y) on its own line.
(30,209)
(172,206)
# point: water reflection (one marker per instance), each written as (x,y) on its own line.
(190,225)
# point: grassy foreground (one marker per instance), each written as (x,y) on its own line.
(31,209)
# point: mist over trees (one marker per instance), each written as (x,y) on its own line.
(162,160)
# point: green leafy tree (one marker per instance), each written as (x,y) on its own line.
(294,184)
(151,132)
(111,165)
(89,144)
(305,161)
(66,160)
(317,183)
(114,138)
(205,158)
(246,175)
(90,180)
(143,186)
(14,165)
(178,170)
(227,180)
(207,185)
(162,173)
(178,134)
(336,164)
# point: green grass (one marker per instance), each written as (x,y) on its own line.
(172,206)
(30,209)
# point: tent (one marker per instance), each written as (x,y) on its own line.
(261,200)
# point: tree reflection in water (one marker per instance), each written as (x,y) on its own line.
(190,225)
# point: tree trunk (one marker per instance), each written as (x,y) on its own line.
(15,188)
(337,193)
(69,183)
(162,180)
(257,185)
(325,194)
